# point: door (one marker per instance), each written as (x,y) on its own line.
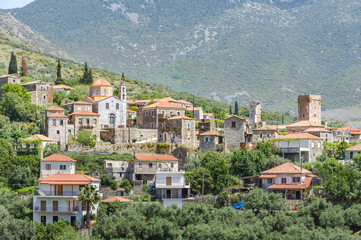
(43,206)
(184,193)
(168,194)
(298,195)
(60,190)
(73,220)
(55,206)
(112,119)
(55,219)
(43,220)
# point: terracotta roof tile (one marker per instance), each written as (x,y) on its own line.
(306,183)
(55,108)
(142,101)
(267,176)
(166,99)
(270,128)
(317,130)
(117,199)
(209,133)
(288,168)
(78,102)
(180,117)
(163,105)
(298,136)
(41,137)
(355,148)
(304,123)
(144,157)
(9,75)
(195,108)
(68,179)
(57,115)
(57,158)
(84,113)
(62,87)
(101,82)
(234,116)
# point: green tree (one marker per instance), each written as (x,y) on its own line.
(258,200)
(86,138)
(21,177)
(215,163)
(17,89)
(340,149)
(126,185)
(275,161)
(187,113)
(14,107)
(91,196)
(50,149)
(195,178)
(248,163)
(230,109)
(59,80)
(87,77)
(13,65)
(24,67)
(6,158)
(236,108)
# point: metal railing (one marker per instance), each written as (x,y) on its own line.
(58,209)
(52,193)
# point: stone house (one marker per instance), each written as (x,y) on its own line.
(352,151)
(288,179)
(178,129)
(181,154)
(119,170)
(301,126)
(11,78)
(309,108)
(36,140)
(141,103)
(112,111)
(57,126)
(208,141)
(296,145)
(148,116)
(85,121)
(59,88)
(208,116)
(56,164)
(348,134)
(197,112)
(207,126)
(325,134)
(267,132)
(78,106)
(41,92)
(235,132)
(146,166)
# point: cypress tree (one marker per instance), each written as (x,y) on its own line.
(230,109)
(59,79)
(24,67)
(90,76)
(13,66)
(84,79)
(236,108)
(123,77)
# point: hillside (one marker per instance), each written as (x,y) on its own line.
(226,50)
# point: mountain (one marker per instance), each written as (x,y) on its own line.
(269,50)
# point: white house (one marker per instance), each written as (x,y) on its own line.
(57,195)
(113,112)
(171,187)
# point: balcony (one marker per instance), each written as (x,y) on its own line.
(174,196)
(57,194)
(56,210)
(290,150)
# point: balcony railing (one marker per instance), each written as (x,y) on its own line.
(52,193)
(58,209)
(166,196)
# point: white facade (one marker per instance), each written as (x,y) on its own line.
(113,112)
(51,168)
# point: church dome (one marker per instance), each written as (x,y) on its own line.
(101,82)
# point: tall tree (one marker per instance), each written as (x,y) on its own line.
(24,67)
(123,77)
(236,108)
(230,109)
(59,79)
(91,196)
(90,76)
(85,77)
(13,65)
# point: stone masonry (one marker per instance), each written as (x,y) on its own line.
(309,108)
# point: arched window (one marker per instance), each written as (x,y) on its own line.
(206,139)
(96,91)
(123,96)
(112,119)
(152,113)
(105,92)
(117,106)
(107,105)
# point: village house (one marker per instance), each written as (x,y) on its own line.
(348,134)
(171,187)
(301,126)
(84,121)
(267,132)
(208,116)
(352,151)
(177,129)
(208,141)
(35,141)
(148,116)
(59,88)
(288,179)
(41,92)
(207,126)
(294,146)
(56,126)
(118,170)
(235,132)
(78,106)
(11,78)
(142,103)
(56,198)
(323,133)
(197,112)
(146,166)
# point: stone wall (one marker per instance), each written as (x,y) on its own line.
(124,135)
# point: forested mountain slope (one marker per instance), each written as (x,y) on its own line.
(270,50)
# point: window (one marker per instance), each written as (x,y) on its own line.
(79,108)
(109,164)
(260,135)
(117,106)
(284,180)
(173,135)
(96,92)
(94,121)
(69,131)
(269,181)
(152,113)
(174,124)
(178,113)
(151,125)
(62,167)
(146,113)
(319,145)
(140,165)
(87,108)
(105,92)
(313,144)
(206,139)
(44,97)
(107,105)
(54,122)
(296,179)
(43,220)
(233,124)
(268,135)
(163,112)
(172,165)
(61,122)
(57,132)
(169,181)
(88,121)
(48,166)
(170,112)
(150,165)
(55,219)
(159,165)
(189,126)
(112,119)
(80,120)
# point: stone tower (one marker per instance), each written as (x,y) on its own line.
(309,108)
(123,91)
(255,109)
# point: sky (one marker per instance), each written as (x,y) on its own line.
(8,4)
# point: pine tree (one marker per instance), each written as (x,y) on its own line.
(236,108)
(59,79)
(13,65)
(230,109)
(24,67)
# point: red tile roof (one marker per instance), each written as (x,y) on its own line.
(270,128)
(304,123)
(9,75)
(57,115)
(287,168)
(142,101)
(297,136)
(84,113)
(194,108)
(352,130)
(54,108)
(317,130)
(163,105)
(101,82)
(117,199)
(267,176)
(355,148)
(68,179)
(79,103)
(57,158)
(181,117)
(62,87)
(144,157)
(41,137)
(209,133)
(234,116)
(166,99)
(306,183)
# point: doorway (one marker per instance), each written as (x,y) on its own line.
(298,195)
(73,221)
(168,194)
